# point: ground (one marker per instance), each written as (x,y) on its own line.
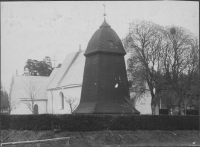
(107,138)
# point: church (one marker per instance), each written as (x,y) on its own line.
(89,81)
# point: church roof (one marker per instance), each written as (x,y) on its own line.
(105,40)
(70,73)
(53,73)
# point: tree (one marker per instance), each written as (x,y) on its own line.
(12,103)
(165,58)
(144,43)
(136,75)
(47,60)
(168,98)
(4,99)
(32,66)
(180,62)
(41,68)
(71,102)
(44,69)
(32,92)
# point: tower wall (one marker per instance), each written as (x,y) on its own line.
(113,83)
(105,83)
(90,80)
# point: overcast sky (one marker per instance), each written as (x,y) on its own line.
(33,30)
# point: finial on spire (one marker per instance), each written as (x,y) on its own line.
(104,10)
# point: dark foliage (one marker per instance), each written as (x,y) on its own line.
(4,102)
(91,122)
(41,68)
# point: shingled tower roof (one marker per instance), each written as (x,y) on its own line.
(105,40)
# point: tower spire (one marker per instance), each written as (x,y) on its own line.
(104,14)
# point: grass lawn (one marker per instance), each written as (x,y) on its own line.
(107,138)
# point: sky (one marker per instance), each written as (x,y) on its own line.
(33,30)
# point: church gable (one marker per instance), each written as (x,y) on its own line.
(28,90)
(22,86)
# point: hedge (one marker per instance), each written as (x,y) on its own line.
(92,122)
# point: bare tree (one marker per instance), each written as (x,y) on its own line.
(144,42)
(13,105)
(180,62)
(32,92)
(164,59)
(168,98)
(71,102)
(136,75)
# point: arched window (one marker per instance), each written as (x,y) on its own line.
(61,100)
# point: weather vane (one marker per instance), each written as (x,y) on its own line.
(104,10)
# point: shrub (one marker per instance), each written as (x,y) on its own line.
(96,122)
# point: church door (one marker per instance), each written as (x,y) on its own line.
(35,109)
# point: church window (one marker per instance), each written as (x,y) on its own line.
(61,100)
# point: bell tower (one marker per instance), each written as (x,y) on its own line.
(105,83)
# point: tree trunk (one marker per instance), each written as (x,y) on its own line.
(153,108)
(153,103)
(71,108)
